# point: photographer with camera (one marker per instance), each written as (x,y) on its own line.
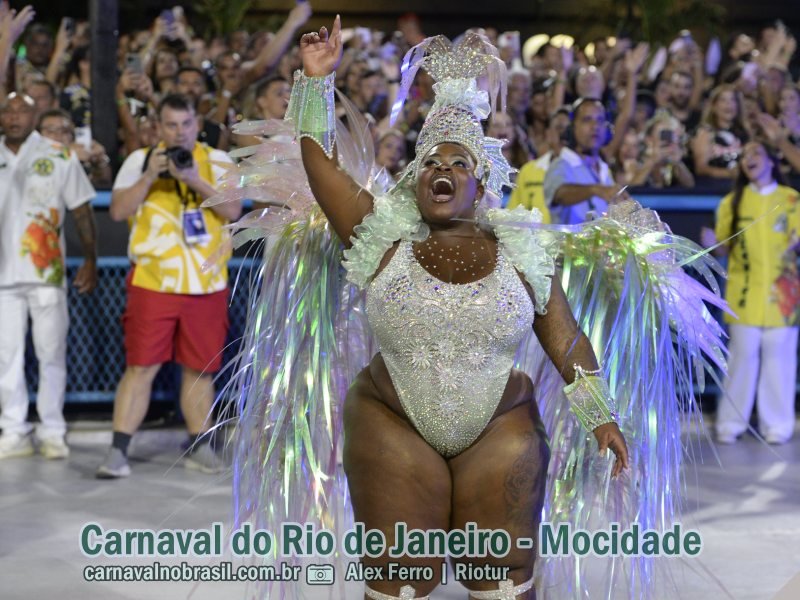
(175,309)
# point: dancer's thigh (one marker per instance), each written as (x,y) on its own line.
(499,483)
(394,476)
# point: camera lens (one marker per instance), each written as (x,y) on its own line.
(181,157)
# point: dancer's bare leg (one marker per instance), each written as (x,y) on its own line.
(499,483)
(393,475)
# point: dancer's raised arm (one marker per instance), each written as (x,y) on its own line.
(343,200)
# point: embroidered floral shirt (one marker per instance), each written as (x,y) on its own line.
(37,185)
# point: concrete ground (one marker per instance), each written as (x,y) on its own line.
(747,510)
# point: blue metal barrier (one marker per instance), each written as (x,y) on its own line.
(693,203)
(95,351)
(103,199)
(688,202)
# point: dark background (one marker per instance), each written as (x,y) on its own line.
(583,19)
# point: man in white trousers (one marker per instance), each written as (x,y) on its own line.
(39,180)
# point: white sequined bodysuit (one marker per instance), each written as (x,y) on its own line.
(449,348)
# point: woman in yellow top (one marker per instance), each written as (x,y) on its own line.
(764,292)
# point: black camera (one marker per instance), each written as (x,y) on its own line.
(180,157)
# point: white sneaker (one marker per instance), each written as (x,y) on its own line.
(726,438)
(775,440)
(54,448)
(14,445)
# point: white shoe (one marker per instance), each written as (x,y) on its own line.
(14,445)
(776,440)
(726,438)
(54,448)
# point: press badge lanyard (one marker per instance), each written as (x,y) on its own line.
(193,220)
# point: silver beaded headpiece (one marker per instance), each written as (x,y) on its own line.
(460,104)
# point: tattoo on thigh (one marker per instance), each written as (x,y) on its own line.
(524,484)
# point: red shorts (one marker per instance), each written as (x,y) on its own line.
(189,329)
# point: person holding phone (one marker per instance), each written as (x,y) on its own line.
(61,52)
(661,165)
(191,82)
(529,188)
(718,142)
(134,96)
(76,96)
(164,71)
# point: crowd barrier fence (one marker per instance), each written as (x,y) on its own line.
(95,351)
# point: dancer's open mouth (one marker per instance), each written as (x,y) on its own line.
(442,188)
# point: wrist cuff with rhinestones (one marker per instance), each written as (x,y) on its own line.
(311,108)
(590,399)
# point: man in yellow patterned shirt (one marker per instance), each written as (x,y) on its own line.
(175,310)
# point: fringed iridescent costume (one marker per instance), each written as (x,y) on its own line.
(307,337)
(646,317)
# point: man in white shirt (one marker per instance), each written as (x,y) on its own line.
(579,182)
(39,180)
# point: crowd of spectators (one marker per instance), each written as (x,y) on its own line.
(678,115)
(581,124)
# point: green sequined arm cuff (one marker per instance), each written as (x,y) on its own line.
(311,108)
(590,399)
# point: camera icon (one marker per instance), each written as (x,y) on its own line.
(319,575)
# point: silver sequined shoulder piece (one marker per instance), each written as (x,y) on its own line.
(449,348)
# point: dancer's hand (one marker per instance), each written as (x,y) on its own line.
(609,436)
(321,52)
